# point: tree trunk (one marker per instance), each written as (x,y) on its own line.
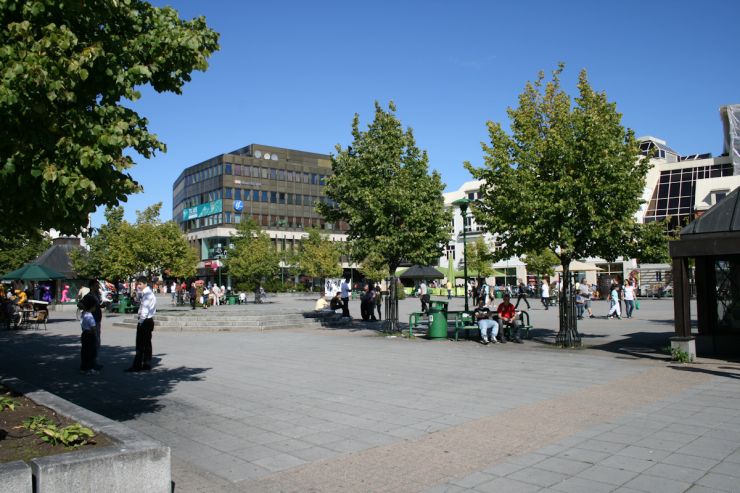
(391,307)
(568,335)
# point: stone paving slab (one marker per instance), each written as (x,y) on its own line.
(350,409)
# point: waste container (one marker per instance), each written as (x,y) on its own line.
(437,320)
(123,304)
(231,299)
(442,305)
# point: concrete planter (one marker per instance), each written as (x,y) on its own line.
(135,463)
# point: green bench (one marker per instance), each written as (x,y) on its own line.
(464,321)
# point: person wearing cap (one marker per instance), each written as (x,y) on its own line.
(507,317)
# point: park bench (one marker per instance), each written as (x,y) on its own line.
(465,321)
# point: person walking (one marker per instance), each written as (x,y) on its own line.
(378,300)
(545,293)
(521,294)
(614,311)
(94,300)
(147,310)
(345,290)
(87,338)
(585,290)
(423,296)
(629,298)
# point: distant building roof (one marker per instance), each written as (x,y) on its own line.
(56,257)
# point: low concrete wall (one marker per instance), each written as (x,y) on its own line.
(135,463)
(15,476)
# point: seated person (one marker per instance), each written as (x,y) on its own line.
(336,301)
(321,303)
(483,316)
(242,297)
(508,317)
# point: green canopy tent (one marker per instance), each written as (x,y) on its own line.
(33,272)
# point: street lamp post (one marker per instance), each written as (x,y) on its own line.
(219,254)
(463,204)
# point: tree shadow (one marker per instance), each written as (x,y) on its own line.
(648,345)
(51,362)
(697,369)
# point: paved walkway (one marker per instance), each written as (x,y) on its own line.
(353,410)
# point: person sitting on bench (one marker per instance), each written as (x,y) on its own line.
(485,322)
(508,317)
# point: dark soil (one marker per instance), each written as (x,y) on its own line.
(17,443)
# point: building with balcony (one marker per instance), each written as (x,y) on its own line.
(277,188)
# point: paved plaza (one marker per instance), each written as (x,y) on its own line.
(352,409)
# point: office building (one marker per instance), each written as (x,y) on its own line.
(278,188)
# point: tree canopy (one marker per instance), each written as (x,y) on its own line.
(20,249)
(318,256)
(480,258)
(383,190)
(121,250)
(542,262)
(68,68)
(252,258)
(568,178)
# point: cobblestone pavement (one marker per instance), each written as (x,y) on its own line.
(354,410)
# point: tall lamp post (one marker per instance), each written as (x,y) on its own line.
(219,254)
(463,204)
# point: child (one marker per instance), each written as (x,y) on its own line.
(88,339)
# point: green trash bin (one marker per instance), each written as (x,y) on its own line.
(437,321)
(442,305)
(123,304)
(499,295)
(231,299)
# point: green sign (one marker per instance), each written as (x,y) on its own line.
(202,210)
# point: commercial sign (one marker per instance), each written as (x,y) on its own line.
(202,210)
(238,205)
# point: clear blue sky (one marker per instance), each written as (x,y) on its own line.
(293,73)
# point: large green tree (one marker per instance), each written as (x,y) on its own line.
(317,257)
(20,249)
(252,258)
(121,250)
(382,189)
(480,258)
(568,179)
(67,70)
(542,262)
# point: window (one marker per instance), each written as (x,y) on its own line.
(265,173)
(265,197)
(227,193)
(256,195)
(227,168)
(273,197)
(281,198)
(290,199)
(237,194)
(717,196)
(227,217)
(273,174)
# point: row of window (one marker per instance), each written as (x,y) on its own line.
(265,220)
(276,174)
(262,196)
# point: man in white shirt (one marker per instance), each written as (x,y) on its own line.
(345,290)
(423,295)
(147,310)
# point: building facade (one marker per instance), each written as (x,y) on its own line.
(277,188)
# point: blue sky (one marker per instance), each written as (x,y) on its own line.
(293,73)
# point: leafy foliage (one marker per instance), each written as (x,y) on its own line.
(382,189)
(73,435)
(121,250)
(542,262)
(567,179)
(67,67)
(21,248)
(480,258)
(374,267)
(253,258)
(318,256)
(7,403)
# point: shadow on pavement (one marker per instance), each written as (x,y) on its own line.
(697,369)
(51,362)
(648,345)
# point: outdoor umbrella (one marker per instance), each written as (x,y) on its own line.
(421,272)
(33,272)
(576,266)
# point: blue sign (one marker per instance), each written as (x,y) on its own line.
(238,205)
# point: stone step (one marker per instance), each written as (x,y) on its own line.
(221,328)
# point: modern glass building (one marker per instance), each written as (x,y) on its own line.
(278,188)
